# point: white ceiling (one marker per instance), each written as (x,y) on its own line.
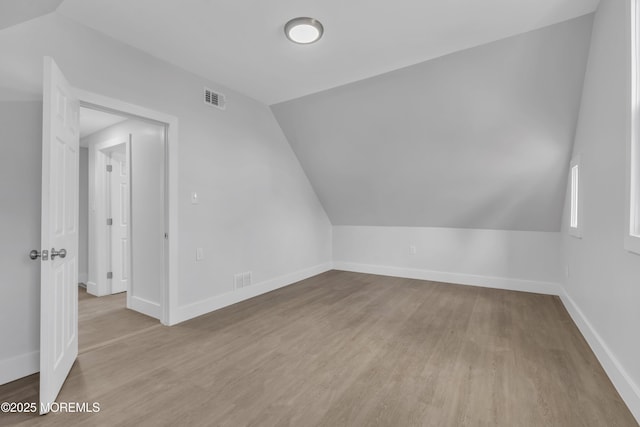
(241,44)
(92,121)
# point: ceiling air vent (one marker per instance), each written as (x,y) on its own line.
(214,99)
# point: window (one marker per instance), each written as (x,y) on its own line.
(575,221)
(632,234)
(574,196)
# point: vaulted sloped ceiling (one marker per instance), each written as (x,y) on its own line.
(477,139)
(14,12)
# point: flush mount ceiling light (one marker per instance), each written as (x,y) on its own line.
(303,30)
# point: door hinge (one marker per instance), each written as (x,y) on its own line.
(109,168)
(110,275)
(109,221)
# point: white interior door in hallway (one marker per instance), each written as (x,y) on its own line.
(120,213)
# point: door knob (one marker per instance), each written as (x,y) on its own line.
(61,253)
(34,254)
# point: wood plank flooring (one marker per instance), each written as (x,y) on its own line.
(347,349)
(105,319)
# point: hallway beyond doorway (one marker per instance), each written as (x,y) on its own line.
(103,320)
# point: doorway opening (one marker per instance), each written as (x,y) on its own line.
(61,103)
(121,224)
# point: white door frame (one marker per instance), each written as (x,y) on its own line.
(169,292)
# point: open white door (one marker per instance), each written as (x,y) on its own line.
(59,267)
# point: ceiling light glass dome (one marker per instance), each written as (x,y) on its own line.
(303,30)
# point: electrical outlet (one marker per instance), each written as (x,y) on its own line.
(237,281)
(199,254)
(413,250)
(242,280)
(246,279)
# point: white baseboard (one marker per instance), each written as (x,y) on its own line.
(523,285)
(92,288)
(144,306)
(628,389)
(199,308)
(19,366)
(97,289)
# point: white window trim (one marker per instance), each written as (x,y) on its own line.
(576,212)
(632,220)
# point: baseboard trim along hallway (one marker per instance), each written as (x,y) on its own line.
(217,302)
(628,389)
(507,283)
(20,366)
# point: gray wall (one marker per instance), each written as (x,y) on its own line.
(257,211)
(147,204)
(604,279)
(523,260)
(476,139)
(83,216)
(20,163)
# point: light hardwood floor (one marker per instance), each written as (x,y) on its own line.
(105,319)
(348,349)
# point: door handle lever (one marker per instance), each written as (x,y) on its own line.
(61,253)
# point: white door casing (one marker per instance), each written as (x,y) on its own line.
(120,208)
(59,276)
